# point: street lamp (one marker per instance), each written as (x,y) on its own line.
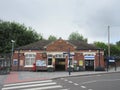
(12,41)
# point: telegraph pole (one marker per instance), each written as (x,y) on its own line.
(108,47)
(108,41)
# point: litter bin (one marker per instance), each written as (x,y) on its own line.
(7,70)
(5,64)
(75,68)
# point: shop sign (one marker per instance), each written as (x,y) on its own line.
(111,60)
(89,57)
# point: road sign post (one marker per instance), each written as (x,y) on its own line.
(68,53)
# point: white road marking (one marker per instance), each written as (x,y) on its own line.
(70,81)
(28,83)
(102,80)
(89,82)
(83,87)
(26,86)
(36,85)
(76,84)
(43,88)
(66,80)
(62,78)
(90,89)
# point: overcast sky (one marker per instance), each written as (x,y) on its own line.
(62,17)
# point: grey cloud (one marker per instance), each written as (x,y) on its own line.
(89,17)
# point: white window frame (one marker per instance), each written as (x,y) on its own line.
(31,59)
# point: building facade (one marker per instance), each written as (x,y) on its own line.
(59,55)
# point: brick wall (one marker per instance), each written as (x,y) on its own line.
(60,45)
(57,46)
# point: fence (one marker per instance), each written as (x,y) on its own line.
(5,64)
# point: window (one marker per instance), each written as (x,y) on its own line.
(50,61)
(29,59)
(50,55)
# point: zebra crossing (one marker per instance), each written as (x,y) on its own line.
(36,85)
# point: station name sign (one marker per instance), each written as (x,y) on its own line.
(111,60)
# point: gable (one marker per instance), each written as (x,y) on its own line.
(60,45)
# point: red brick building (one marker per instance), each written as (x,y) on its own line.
(51,54)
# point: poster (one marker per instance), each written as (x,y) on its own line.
(53,61)
(80,62)
(21,62)
(40,63)
(15,62)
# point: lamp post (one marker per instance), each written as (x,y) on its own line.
(12,41)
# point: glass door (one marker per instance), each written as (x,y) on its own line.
(89,65)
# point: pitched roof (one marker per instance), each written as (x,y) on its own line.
(37,45)
(82,45)
(42,43)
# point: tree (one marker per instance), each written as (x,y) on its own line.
(76,36)
(17,32)
(52,38)
(103,46)
(118,43)
(114,49)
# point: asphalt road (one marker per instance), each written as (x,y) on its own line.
(92,82)
(2,77)
(88,82)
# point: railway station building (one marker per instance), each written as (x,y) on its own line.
(59,55)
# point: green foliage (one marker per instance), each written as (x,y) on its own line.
(103,46)
(52,38)
(17,32)
(118,43)
(76,36)
(114,49)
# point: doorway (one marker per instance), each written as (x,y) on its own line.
(89,65)
(59,64)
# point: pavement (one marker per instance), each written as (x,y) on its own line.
(25,76)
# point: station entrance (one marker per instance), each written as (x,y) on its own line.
(59,64)
(89,65)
